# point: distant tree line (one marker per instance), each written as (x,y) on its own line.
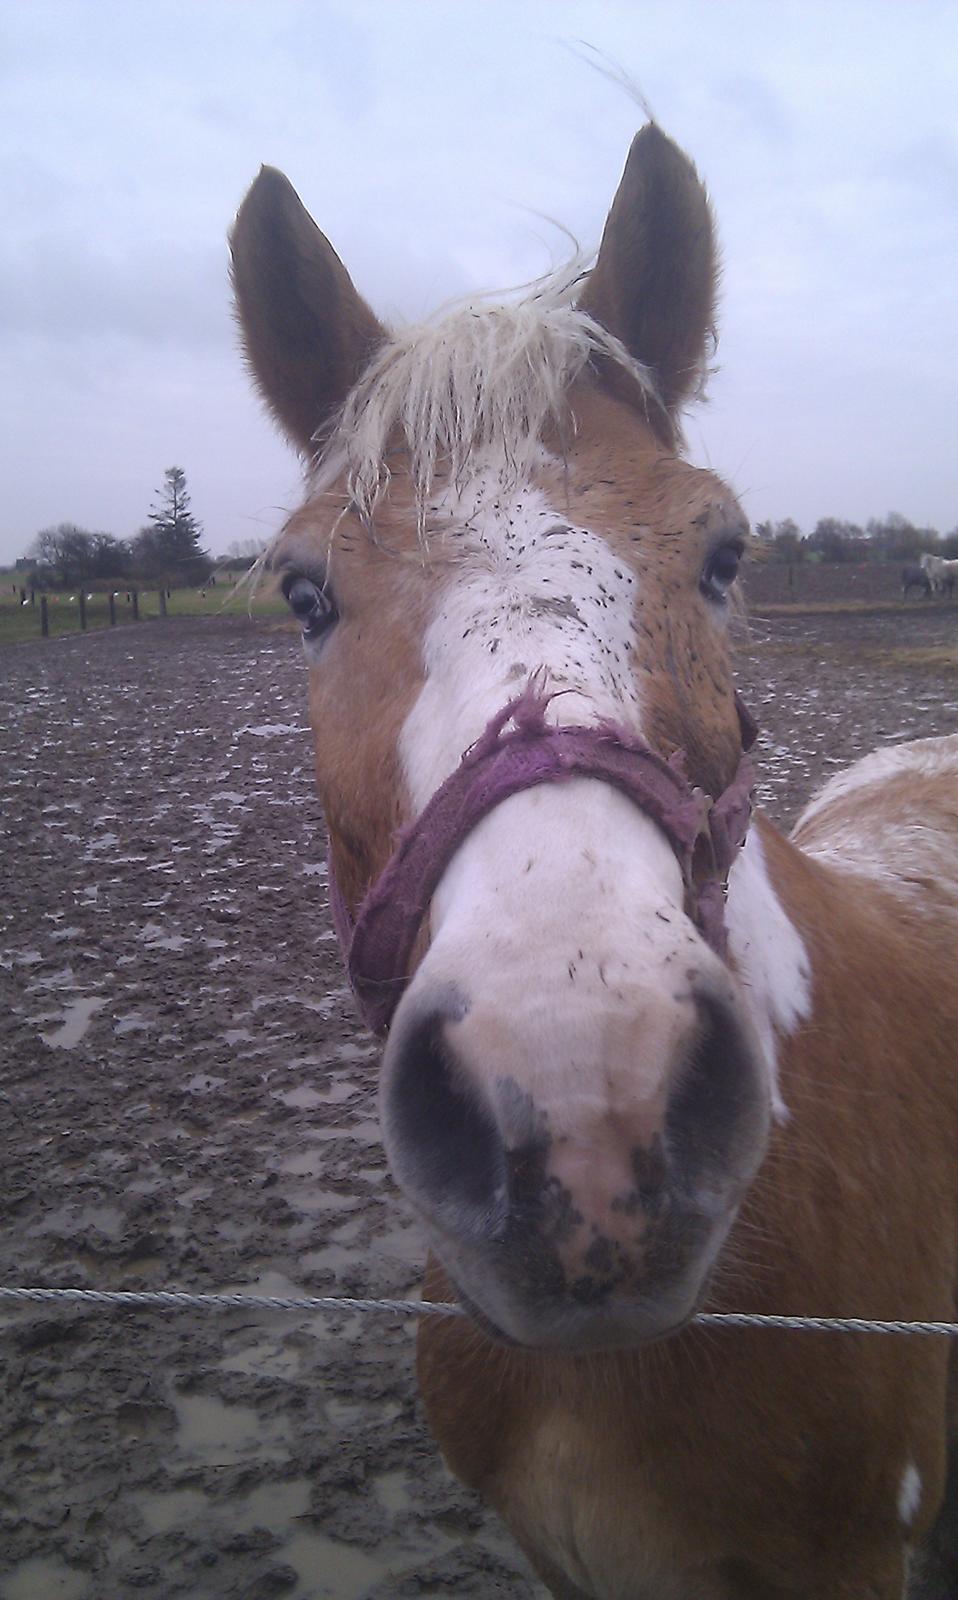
(893,538)
(166,551)
(67,555)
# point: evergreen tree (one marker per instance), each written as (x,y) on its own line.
(176,544)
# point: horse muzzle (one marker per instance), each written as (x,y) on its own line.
(587,1217)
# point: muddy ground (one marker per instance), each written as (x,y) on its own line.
(187,1100)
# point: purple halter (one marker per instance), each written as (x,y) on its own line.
(705,834)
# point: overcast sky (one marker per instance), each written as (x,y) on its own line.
(430,139)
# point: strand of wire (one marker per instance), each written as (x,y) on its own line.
(182,1300)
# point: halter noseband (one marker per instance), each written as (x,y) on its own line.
(705,834)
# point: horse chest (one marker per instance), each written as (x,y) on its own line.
(574,1502)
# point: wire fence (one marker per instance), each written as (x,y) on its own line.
(183,1300)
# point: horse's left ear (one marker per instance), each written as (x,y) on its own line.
(654,282)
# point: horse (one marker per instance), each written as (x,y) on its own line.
(941,573)
(931,565)
(645,1056)
(948,575)
(914,576)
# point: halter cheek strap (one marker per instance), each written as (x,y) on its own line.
(705,835)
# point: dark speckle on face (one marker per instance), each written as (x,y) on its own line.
(565,608)
(559,1217)
(651,1187)
(525,1123)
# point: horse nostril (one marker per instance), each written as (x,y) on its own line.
(717,1108)
(444,1146)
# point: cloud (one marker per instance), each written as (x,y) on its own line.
(67,290)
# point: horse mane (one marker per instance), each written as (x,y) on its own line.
(476,384)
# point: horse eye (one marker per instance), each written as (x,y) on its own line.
(311,604)
(721,571)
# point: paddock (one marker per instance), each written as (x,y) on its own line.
(189,1102)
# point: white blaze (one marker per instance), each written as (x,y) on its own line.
(565,904)
(527,592)
(571,877)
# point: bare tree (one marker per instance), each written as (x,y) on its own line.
(67,555)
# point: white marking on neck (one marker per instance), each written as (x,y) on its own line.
(920,758)
(891,834)
(909,1494)
(528,592)
(770,955)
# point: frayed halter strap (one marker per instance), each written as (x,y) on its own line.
(705,834)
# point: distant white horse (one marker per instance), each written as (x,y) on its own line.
(942,574)
(930,565)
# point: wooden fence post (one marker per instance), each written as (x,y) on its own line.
(44,618)
(162,602)
(134,595)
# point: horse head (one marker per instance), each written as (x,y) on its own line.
(502,551)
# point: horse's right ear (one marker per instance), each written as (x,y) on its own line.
(307,333)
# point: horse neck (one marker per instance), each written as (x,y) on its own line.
(859,1027)
(809,937)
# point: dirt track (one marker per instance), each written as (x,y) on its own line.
(188,1101)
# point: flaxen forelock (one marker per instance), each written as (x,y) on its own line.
(480,384)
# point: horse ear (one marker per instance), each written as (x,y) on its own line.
(307,333)
(654,282)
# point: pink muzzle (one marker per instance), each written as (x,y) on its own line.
(705,834)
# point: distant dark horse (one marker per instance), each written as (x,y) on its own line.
(915,577)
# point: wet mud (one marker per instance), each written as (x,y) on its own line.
(188,1101)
